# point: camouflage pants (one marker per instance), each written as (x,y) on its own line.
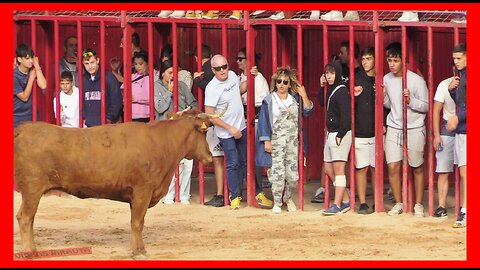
(284,171)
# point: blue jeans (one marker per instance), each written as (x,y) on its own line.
(235,151)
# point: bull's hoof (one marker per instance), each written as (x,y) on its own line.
(140,257)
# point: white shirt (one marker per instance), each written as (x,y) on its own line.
(219,94)
(442,95)
(393,99)
(69,114)
(261,89)
(278,105)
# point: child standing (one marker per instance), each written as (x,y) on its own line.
(68,101)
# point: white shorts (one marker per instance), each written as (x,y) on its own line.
(416,145)
(364,152)
(332,151)
(460,155)
(445,158)
(214,143)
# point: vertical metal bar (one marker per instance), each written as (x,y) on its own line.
(201,169)
(175,97)
(34,90)
(127,70)
(301,158)
(151,71)
(102,72)
(250,54)
(56,76)
(225,54)
(80,73)
(352,109)
(404,124)
(325,62)
(379,154)
(430,151)
(274,48)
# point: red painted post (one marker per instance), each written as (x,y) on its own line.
(404,124)
(430,152)
(102,71)
(379,151)
(127,71)
(151,71)
(250,50)
(34,91)
(352,107)
(57,72)
(325,62)
(301,158)
(80,72)
(201,168)
(274,48)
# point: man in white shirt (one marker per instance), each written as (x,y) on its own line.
(222,91)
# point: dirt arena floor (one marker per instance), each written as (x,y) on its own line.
(198,232)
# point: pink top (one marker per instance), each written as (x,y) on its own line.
(140,96)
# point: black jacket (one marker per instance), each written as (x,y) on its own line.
(365,105)
(338,110)
(207,76)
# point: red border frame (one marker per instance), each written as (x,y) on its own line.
(6,245)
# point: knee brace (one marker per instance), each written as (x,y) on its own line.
(340,181)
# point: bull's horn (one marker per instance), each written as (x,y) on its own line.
(211,115)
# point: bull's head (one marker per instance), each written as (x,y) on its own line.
(201,122)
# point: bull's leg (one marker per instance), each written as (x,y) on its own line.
(138,208)
(26,216)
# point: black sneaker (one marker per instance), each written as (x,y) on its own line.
(216,201)
(363,209)
(440,212)
(319,198)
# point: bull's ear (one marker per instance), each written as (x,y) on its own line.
(172,115)
(204,127)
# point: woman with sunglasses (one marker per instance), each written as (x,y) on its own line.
(277,135)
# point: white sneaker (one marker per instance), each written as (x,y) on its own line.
(257,12)
(291,205)
(315,15)
(278,16)
(164,13)
(276,209)
(459,20)
(186,202)
(408,16)
(167,201)
(396,210)
(177,14)
(418,210)
(334,15)
(351,16)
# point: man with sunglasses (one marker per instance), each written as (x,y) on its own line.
(92,92)
(222,91)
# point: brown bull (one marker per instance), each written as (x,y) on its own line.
(131,162)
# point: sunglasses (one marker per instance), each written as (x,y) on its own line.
(285,82)
(88,54)
(224,67)
(239,58)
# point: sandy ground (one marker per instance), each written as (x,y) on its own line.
(198,232)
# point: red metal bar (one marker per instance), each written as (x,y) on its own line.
(404,124)
(80,72)
(431,192)
(301,168)
(127,70)
(175,97)
(325,62)
(45,104)
(456,40)
(56,76)
(379,151)
(102,73)
(201,169)
(274,48)
(225,182)
(352,107)
(34,91)
(151,72)
(250,50)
